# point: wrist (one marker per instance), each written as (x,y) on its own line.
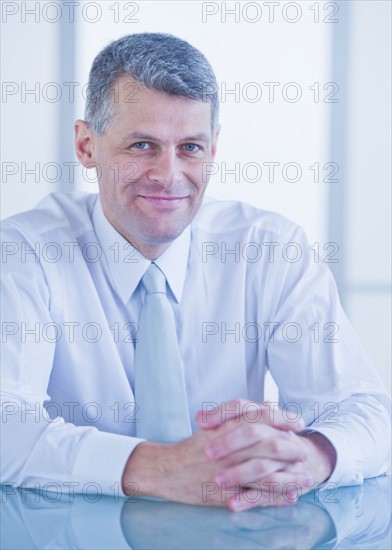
(146,469)
(322,456)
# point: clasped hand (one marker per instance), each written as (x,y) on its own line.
(237,460)
(264,459)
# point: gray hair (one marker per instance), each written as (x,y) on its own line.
(159,62)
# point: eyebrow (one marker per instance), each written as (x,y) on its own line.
(147,137)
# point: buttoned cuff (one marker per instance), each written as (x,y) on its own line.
(348,468)
(100,463)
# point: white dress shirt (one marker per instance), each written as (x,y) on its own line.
(248,294)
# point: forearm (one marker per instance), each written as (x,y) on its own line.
(36,450)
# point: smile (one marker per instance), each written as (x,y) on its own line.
(163,201)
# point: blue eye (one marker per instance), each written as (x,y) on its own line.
(191,147)
(141,145)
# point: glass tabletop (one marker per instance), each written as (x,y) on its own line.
(351,518)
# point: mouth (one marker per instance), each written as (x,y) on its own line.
(159,200)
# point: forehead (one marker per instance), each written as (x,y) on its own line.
(139,108)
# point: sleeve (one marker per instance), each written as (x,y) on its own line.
(320,368)
(38,451)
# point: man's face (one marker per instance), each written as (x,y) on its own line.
(150,164)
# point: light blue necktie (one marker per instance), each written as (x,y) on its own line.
(162,414)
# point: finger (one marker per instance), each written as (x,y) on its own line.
(236,409)
(278,489)
(255,469)
(248,472)
(234,436)
(261,520)
(250,498)
(230,410)
(282,418)
(270,442)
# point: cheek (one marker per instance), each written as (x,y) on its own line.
(120,170)
(198,175)
(129,172)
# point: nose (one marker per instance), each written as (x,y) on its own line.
(165,169)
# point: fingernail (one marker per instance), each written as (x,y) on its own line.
(236,505)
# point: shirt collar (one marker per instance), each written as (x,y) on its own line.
(127,266)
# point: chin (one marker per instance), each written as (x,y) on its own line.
(162,238)
(163,231)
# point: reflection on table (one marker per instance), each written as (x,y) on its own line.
(352,517)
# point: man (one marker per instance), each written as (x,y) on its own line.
(137,338)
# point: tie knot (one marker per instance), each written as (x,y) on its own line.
(154,280)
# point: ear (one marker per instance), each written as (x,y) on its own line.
(214,143)
(84,144)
